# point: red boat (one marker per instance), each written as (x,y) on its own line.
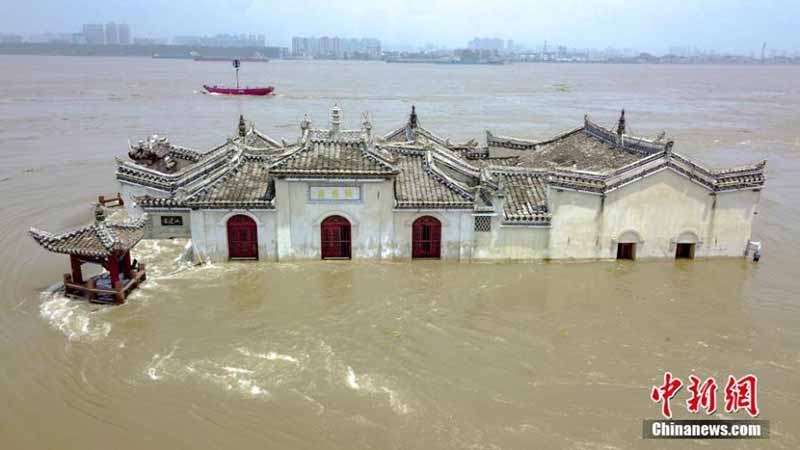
(260,91)
(238,91)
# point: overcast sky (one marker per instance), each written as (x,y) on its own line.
(655,25)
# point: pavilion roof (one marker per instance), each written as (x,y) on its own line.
(99,239)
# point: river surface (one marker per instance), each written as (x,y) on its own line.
(351,355)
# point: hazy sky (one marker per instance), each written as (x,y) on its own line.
(726,25)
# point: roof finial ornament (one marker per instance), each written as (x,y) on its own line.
(336,118)
(99,214)
(621,124)
(305,124)
(367,124)
(242,126)
(412,118)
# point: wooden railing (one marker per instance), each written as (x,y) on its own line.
(110,202)
(90,291)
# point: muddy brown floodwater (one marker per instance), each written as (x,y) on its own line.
(349,355)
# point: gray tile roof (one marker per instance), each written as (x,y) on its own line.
(590,147)
(256,139)
(420,185)
(247,186)
(428,170)
(525,199)
(99,239)
(576,149)
(334,159)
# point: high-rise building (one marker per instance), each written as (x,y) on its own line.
(299,46)
(94,34)
(336,47)
(487,44)
(112,36)
(325,46)
(10,38)
(124,32)
(223,40)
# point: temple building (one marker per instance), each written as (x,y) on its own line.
(335,193)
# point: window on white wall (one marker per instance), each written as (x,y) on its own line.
(483,224)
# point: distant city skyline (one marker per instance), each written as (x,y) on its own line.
(735,26)
(339,46)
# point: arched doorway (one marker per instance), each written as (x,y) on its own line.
(426,238)
(627,244)
(685,245)
(242,238)
(335,238)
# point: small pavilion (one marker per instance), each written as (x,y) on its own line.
(106,244)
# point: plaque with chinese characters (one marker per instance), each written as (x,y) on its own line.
(335,193)
(171,221)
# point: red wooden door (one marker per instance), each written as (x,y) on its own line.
(242,238)
(426,238)
(335,238)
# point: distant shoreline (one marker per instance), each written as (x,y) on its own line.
(142,51)
(187,52)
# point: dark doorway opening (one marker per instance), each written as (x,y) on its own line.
(684,251)
(426,238)
(242,238)
(335,238)
(626,250)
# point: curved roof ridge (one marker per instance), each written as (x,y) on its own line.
(206,159)
(94,240)
(517,170)
(403,148)
(265,137)
(530,142)
(372,150)
(751,167)
(394,133)
(221,173)
(640,144)
(457,162)
(430,166)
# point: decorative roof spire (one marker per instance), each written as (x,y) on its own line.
(99,214)
(336,118)
(621,124)
(367,124)
(412,118)
(242,126)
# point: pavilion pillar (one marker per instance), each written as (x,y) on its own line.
(77,275)
(126,266)
(113,268)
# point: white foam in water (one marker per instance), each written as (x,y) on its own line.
(72,317)
(187,253)
(352,381)
(156,370)
(228,377)
(271,356)
(366,384)
(236,370)
(394,401)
